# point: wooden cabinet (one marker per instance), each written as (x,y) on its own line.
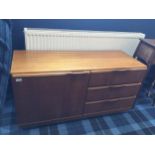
(57,86)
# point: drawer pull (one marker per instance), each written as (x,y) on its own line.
(108,100)
(113,86)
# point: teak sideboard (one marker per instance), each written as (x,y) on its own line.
(52,86)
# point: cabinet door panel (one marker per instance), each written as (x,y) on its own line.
(49,97)
(75,94)
(39,98)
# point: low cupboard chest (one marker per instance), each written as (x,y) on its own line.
(52,86)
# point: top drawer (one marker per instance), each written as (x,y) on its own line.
(116,77)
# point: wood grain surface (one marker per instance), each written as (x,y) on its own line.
(29,63)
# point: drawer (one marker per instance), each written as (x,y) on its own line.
(109,105)
(111,92)
(116,77)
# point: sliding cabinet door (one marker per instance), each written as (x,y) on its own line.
(44,98)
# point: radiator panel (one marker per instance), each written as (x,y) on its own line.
(49,39)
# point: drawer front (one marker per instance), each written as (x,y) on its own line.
(109,105)
(116,77)
(111,92)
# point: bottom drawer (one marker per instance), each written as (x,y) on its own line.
(109,105)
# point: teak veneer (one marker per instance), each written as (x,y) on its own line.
(52,86)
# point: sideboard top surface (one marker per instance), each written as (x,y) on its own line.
(45,62)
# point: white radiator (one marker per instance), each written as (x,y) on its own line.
(52,39)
